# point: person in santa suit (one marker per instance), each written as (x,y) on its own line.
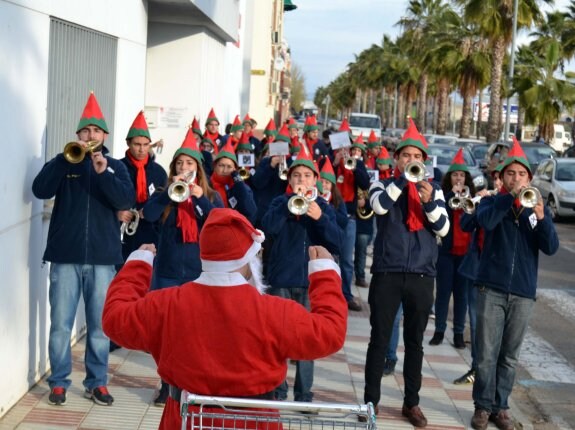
(226,180)
(220,335)
(212,130)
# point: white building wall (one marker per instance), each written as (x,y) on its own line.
(24,50)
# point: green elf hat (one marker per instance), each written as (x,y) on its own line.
(497,169)
(228,152)
(312,123)
(270,130)
(372,141)
(344,126)
(412,137)
(92,115)
(196,127)
(458,163)
(139,127)
(294,146)
(327,171)
(303,159)
(516,155)
(319,186)
(212,117)
(283,134)
(291,124)
(306,124)
(190,147)
(383,157)
(236,125)
(358,143)
(247,120)
(244,144)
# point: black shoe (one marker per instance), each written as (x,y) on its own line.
(361,283)
(437,338)
(163,395)
(389,366)
(352,305)
(114,346)
(100,396)
(458,341)
(57,396)
(468,378)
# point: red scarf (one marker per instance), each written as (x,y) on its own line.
(370,163)
(461,239)
(219,183)
(516,202)
(310,143)
(186,221)
(384,174)
(141,183)
(347,187)
(214,137)
(414,210)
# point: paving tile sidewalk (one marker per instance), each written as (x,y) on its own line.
(338,378)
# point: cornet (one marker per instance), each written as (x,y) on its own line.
(528,197)
(456,201)
(244,173)
(74,152)
(283,168)
(129,228)
(349,162)
(414,171)
(299,204)
(179,191)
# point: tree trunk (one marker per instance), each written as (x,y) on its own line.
(494,121)
(466,115)
(443,93)
(422,103)
(479,112)
(384,106)
(520,118)
(372,100)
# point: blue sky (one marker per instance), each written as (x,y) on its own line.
(324,35)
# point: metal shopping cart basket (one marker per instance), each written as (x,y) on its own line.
(223,413)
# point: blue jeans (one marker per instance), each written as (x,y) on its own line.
(346,259)
(394,339)
(361,243)
(501,325)
(450,281)
(304,368)
(67,282)
(472,312)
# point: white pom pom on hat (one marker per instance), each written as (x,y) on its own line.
(228,241)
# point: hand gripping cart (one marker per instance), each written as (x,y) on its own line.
(226,413)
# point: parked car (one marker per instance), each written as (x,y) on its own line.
(569,153)
(439,138)
(478,148)
(555,179)
(535,152)
(391,136)
(444,154)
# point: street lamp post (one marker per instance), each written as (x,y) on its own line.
(326,101)
(511,66)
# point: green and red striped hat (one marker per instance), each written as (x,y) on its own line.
(458,163)
(372,141)
(196,127)
(227,151)
(212,117)
(344,126)
(92,115)
(244,144)
(283,134)
(517,155)
(358,143)
(327,171)
(412,137)
(190,147)
(139,127)
(383,157)
(303,159)
(236,125)
(270,129)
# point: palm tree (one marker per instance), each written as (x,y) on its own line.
(494,20)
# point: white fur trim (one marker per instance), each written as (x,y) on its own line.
(231,265)
(258,236)
(322,264)
(142,255)
(232,279)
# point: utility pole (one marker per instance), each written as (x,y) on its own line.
(511,66)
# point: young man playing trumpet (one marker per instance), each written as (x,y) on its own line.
(506,285)
(409,216)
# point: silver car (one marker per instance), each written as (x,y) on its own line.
(555,179)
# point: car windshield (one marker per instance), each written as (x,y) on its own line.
(445,140)
(445,155)
(479,151)
(535,154)
(565,172)
(365,122)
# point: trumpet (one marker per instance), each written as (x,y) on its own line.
(74,152)
(129,228)
(283,168)
(299,204)
(244,173)
(414,171)
(179,191)
(349,162)
(456,201)
(469,205)
(529,196)
(363,213)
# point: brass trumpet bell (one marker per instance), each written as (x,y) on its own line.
(414,171)
(299,204)
(244,173)
(74,152)
(528,197)
(179,191)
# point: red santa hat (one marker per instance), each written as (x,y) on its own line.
(344,126)
(242,241)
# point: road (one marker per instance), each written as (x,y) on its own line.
(545,384)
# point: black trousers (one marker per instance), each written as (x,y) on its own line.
(386,292)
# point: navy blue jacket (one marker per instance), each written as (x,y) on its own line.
(396,249)
(469,266)
(176,259)
(241,198)
(147,231)
(267,185)
(364,226)
(510,255)
(292,235)
(84,226)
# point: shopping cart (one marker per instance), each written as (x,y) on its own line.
(223,413)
